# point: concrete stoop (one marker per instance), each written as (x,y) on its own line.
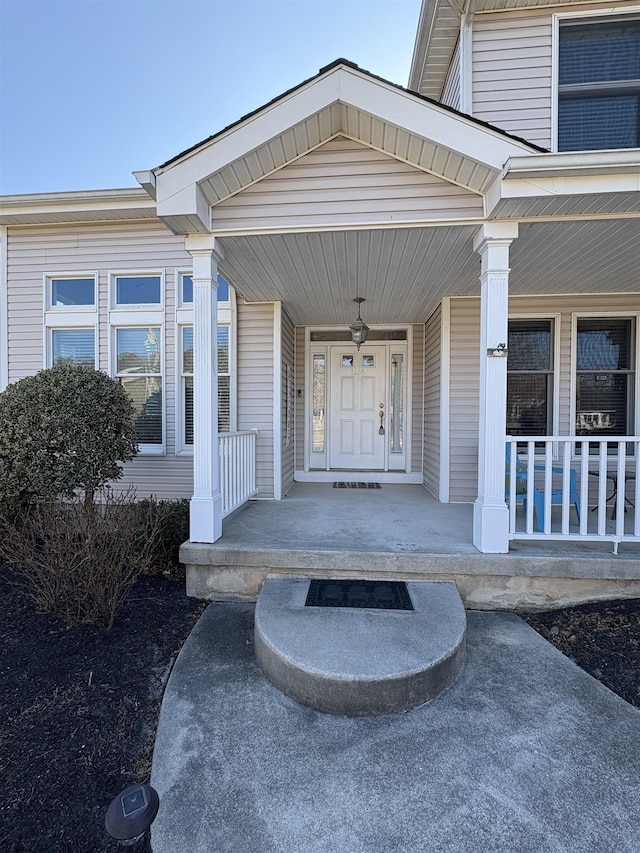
(358,662)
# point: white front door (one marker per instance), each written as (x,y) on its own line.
(358,398)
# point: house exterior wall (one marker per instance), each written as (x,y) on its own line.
(432,402)
(288,394)
(344,183)
(512,69)
(451,90)
(465,378)
(36,251)
(255,384)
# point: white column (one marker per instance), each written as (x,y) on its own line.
(490,512)
(206,503)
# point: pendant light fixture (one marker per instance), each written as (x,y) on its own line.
(359,329)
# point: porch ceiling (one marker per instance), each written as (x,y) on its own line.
(404,273)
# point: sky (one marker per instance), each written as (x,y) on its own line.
(91,90)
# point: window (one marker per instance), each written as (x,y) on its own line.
(139,369)
(186,289)
(77,346)
(604,376)
(530,377)
(71,292)
(137,290)
(599,85)
(224,382)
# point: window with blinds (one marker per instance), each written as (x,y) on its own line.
(530,377)
(139,369)
(73,346)
(224,381)
(599,85)
(605,378)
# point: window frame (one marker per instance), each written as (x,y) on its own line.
(184,317)
(58,317)
(591,16)
(138,323)
(555,320)
(89,308)
(114,305)
(634,405)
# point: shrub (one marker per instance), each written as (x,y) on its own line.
(174,530)
(78,560)
(62,430)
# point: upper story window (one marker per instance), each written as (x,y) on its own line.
(71,292)
(186,289)
(599,85)
(129,290)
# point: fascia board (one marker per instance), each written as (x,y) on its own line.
(348,87)
(100,203)
(594,163)
(442,127)
(241,140)
(569,185)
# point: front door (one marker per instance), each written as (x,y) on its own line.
(357,405)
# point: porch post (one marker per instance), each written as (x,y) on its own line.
(206,504)
(490,512)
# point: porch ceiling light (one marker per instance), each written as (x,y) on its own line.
(359,329)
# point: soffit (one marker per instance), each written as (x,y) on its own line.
(83,206)
(404,273)
(439,29)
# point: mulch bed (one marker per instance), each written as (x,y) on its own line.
(79,708)
(78,711)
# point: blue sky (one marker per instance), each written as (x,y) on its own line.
(91,90)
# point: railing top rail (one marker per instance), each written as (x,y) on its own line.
(243,432)
(577,438)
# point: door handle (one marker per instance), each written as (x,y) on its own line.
(381,413)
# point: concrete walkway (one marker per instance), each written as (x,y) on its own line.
(525,752)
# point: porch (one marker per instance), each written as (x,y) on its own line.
(401,531)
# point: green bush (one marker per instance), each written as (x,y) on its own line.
(63,430)
(78,559)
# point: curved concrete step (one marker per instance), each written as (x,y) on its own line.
(360,662)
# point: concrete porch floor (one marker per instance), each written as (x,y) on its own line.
(399,531)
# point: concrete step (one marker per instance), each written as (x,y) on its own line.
(358,662)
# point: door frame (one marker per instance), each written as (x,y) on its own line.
(322,473)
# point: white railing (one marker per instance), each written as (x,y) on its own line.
(545,481)
(237,454)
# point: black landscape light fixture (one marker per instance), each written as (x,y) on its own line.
(359,329)
(131,814)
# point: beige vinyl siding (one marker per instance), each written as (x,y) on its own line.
(417,395)
(432,402)
(463,399)
(255,385)
(300,381)
(512,88)
(344,183)
(451,91)
(288,359)
(465,375)
(34,251)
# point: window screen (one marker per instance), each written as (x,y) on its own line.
(599,85)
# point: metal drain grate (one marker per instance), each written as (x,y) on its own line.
(373,595)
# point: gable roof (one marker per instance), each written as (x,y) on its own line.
(341,99)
